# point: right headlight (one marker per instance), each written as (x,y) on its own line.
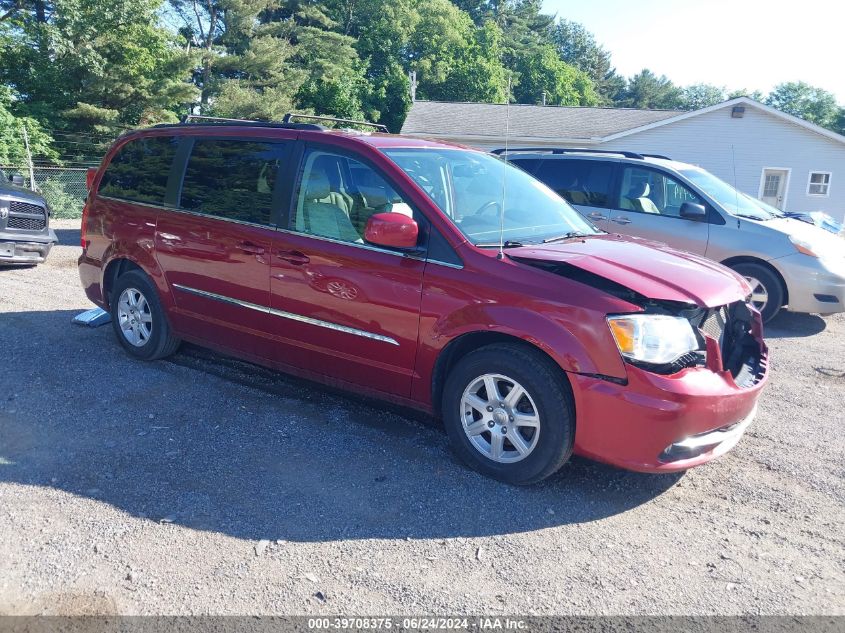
(652,338)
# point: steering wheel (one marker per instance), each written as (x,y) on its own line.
(492,205)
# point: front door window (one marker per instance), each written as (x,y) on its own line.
(654,192)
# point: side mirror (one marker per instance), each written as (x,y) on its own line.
(18,180)
(392,230)
(693,211)
(89,177)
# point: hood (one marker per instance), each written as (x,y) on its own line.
(809,233)
(9,190)
(652,270)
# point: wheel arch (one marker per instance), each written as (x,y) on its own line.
(747,259)
(462,345)
(114,269)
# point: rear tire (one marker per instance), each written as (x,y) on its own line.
(767,291)
(138,319)
(524,430)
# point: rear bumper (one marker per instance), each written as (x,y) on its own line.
(25,249)
(813,285)
(661,423)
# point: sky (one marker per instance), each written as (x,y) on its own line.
(750,44)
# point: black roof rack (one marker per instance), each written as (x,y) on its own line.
(570,150)
(288,118)
(210,121)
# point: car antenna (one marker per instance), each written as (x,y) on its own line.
(501,254)
(736,191)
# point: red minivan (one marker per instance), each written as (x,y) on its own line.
(430,275)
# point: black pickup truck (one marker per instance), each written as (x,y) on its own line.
(25,233)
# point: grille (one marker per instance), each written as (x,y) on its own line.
(26,216)
(27,224)
(16,206)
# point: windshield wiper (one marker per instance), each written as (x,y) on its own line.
(507,244)
(748,216)
(566,236)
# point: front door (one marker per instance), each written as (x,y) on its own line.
(344,308)
(214,246)
(773,186)
(648,205)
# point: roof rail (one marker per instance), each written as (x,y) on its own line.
(657,156)
(288,118)
(197,119)
(567,150)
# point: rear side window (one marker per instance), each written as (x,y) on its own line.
(232,179)
(583,182)
(139,170)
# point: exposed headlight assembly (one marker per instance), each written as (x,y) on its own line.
(656,339)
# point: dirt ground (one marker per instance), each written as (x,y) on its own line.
(204,485)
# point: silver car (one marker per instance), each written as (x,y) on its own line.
(789,263)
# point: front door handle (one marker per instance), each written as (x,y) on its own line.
(249,247)
(621,220)
(294,257)
(595,215)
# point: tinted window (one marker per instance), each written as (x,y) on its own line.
(650,191)
(140,169)
(584,182)
(528,164)
(338,194)
(232,179)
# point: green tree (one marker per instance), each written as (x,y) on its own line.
(807,102)
(647,90)
(89,64)
(699,96)
(12,145)
(578,47)
(742,92)
(540,71)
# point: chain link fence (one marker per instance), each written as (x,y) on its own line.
(63,188)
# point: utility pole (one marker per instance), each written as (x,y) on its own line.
(544,97)
(28,158)
(412,83)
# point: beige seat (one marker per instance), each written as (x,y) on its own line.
(638,200)
(325,213)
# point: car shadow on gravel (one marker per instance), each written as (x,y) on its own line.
(794,325)
(212,443)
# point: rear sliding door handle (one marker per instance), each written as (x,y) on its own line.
(293,257)
(249,247)
(621,220)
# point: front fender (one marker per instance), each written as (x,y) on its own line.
(577,339)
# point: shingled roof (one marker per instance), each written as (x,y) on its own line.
(438,118)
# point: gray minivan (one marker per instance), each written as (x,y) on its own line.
(787,262)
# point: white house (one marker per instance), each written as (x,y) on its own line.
(786,161)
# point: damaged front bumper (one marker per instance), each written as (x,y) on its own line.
(656,422)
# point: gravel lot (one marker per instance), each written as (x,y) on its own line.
(203,485)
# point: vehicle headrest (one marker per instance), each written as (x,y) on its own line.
(640,190)
(317,185)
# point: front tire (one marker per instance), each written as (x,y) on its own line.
(138,319)
(509,413)
(766,289)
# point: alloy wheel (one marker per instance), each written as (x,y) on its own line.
(500,418)
(134,317)
(759,293)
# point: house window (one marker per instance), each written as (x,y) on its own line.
(819,183)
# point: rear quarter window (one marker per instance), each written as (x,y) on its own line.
(140,169)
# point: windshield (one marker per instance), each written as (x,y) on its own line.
(729,198)
(469,187)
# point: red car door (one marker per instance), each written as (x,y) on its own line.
(214,246)
(346,309)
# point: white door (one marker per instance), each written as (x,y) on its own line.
(773,186)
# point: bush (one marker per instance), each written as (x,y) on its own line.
(62,203)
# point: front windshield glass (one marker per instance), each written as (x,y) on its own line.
(469,187)
(732,200)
